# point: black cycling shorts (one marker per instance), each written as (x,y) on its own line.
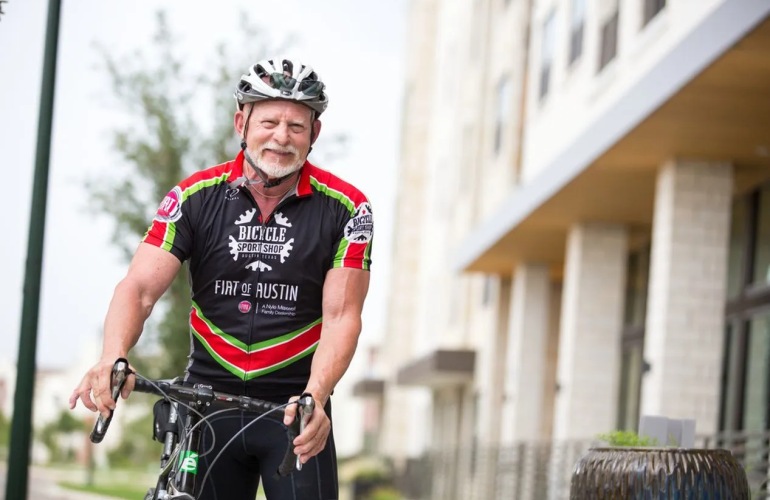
(255,455)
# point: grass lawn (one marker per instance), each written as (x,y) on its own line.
(126,491)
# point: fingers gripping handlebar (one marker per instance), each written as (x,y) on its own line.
(120,371)
(306,406)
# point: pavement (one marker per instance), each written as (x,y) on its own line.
(42,485)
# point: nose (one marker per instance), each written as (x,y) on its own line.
(281,134)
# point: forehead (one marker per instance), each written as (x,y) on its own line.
(288,110)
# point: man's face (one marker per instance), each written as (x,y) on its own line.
(278,136)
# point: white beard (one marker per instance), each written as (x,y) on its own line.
(275,170)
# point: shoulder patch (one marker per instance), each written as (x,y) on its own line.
(170,209)
(359,228)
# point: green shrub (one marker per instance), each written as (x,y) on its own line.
(384,493)
(627,439)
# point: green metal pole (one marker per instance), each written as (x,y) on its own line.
(21,428)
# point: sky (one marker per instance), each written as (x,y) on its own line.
(357,48)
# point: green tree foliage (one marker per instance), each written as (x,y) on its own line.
(5,433)
(136,444)
(165,99)
(51,434)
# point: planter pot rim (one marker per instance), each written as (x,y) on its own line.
(660,449)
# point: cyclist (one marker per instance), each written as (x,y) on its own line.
(278,252)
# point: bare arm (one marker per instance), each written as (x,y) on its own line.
(343,300)
(151,272)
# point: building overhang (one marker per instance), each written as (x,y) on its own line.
(438,369)
(708,99)
(369,387)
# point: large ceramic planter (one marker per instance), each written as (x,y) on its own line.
(658,473)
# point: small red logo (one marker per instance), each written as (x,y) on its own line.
(170,209)
(244,306)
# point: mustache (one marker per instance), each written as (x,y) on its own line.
(278,148)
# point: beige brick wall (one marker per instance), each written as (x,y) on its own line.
(688,278)
(591,322)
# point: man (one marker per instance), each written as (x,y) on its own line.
(278,253)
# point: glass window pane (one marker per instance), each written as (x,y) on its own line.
(578,12)
(638,271)
(546,53)
(757,372)
(504,98)
(762,247)
(631,386)
(732,379)
(737,248)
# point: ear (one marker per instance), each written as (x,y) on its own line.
(316,131)
(239,120)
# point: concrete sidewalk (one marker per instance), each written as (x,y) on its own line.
(43,485)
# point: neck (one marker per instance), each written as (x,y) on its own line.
(275,192)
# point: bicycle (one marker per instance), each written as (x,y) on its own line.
(181,439)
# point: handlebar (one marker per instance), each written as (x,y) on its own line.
(120,371)
(204,396)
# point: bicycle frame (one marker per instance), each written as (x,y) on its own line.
(177,479)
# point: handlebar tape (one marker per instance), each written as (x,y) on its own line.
(120,371)
(288,463)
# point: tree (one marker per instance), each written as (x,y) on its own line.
(5,433)
(51,435)
(166,146)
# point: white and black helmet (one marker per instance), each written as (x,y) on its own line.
(282,79)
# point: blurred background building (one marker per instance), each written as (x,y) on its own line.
(582,237)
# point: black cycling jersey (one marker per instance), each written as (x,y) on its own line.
(257,279)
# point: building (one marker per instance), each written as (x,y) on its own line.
(583,233)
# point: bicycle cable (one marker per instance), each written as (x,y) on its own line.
(186,435)
(243,429)
(204,418)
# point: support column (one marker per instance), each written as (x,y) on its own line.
(688,279)
(526,361)
(591,323)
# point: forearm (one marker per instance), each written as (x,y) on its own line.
(123,325)
(332,357)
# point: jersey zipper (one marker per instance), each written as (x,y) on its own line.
(264,221)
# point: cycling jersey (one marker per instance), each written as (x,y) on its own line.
(257,279)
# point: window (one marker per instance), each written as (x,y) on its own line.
(745,400)
(761,266)
(651,9)
(576,30)
(503,111)
(609,40)
(632,338)
(546,54)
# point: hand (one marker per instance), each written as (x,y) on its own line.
(95,390)
(313,439)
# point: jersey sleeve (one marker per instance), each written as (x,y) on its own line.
(171,228)
(354,246)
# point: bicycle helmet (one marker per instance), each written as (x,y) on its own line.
(282,79)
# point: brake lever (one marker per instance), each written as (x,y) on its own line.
(306,405)
(120,372)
